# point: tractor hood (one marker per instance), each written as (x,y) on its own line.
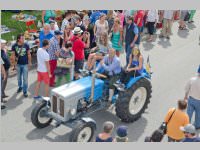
(79,89)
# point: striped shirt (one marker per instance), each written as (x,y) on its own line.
(54,46)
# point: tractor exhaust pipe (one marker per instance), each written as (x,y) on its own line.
(93,84)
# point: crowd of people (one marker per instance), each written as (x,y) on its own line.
(86,37)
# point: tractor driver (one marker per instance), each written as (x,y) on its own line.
(112,69)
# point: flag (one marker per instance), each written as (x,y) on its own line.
(148,66)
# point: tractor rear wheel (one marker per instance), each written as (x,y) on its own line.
(132,103)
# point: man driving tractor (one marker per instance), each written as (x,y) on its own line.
(112,69)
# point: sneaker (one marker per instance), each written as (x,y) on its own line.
(161,36)
(3,101)
(19,90)
(3,106)
(5,96)
(25,95)
(37,97)
(120,86)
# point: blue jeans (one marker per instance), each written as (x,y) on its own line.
(194,106)
(22,72)
(128,52)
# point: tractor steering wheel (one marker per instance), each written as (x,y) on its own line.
(101,75)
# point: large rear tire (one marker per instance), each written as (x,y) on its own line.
(132,103)
(39,115)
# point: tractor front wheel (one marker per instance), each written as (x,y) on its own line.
(39,115)
(83,132)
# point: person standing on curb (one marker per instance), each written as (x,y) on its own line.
(3,76)
(168,18)
(53,48)
(43,69)
(6,60)
(21,52)
(192,95)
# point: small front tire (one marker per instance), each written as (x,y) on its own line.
(39,115)
(83,132)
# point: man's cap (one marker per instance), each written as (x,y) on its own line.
(188,129)
(122,131)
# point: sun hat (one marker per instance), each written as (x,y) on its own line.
(77,30)
(188,128)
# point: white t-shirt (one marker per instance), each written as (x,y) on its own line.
(193,87)
(42,57)
(152,15)
(168,14)
(101,27)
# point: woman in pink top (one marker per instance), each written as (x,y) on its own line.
(121,16)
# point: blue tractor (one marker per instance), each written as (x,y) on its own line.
(72,103)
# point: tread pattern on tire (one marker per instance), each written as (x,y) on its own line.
(122,104)
(34,116)
(80,125)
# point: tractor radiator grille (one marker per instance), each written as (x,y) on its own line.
(58,106)
(54,99)
(62,108)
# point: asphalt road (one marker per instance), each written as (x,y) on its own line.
(173,63)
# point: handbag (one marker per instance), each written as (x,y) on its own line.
(61,62)
(163,126)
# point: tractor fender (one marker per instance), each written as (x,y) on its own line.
(47,100)
(89,120)
(133,81)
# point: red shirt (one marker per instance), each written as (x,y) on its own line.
(78,48)
(140,14)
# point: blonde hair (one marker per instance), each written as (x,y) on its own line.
(110,14)
(105,39)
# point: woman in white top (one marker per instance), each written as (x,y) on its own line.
(98,52)
(100,26)
(152,19)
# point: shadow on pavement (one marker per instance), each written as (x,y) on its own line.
(183,33)
(13,102)
(164,43)
(147,45)
(27,112)
(135,129)
(191,26)
(38,134)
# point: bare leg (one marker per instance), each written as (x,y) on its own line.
(46,88)
(90,61)
(37,87)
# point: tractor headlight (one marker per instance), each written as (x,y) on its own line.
(73,112)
